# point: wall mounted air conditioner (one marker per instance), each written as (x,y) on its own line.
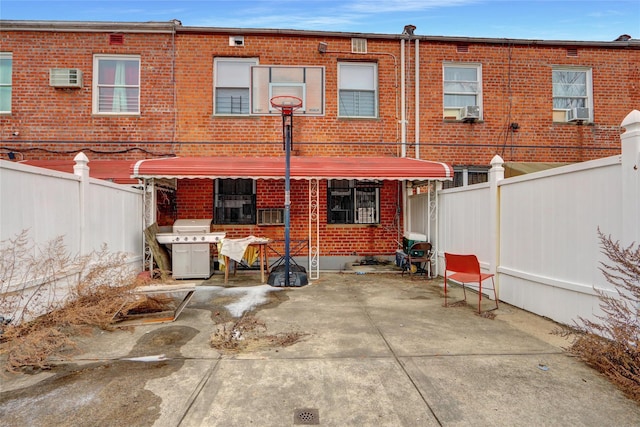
(65,77)
(470,112)
(271,216)
(578,114)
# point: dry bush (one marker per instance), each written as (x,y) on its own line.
(610,345)
(249,333)
(50,295)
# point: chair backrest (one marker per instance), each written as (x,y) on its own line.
(462,263)
(424,247)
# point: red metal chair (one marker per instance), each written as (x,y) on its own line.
(466,269)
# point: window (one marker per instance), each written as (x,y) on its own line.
(467,175)
(571,89)
(357,94)
(306,83)
(235,201)
(232,78)
(353,202)
(116,87)
(461,88)
(6,60)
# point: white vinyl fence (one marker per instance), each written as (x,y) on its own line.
(86,212)
(539,232)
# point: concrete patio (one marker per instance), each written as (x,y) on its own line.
(377,349)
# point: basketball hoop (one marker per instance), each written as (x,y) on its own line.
(286,104)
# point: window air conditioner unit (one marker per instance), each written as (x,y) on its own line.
(271,216)
(470,112)
(579,114)
(65,77)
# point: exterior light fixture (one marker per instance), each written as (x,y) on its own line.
(322,47)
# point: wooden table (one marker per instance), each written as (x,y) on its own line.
(264,265)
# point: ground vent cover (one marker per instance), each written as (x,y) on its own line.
(306,416)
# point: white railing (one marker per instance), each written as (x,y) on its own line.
(539,232)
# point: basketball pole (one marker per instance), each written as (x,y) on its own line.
(287,124)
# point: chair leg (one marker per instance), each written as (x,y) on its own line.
(445,290)
(495,295)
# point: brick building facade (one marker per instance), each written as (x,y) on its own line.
(200,92)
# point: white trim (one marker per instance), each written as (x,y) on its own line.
(478,94)
(375,86)
(95,87)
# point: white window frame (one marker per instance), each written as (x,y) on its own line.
(455,111)
(217,84)
(345,85)
(560,114)
(8,84)
(96,86)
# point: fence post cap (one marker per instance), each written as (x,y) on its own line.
(81,158)
(632,121)
(497,161)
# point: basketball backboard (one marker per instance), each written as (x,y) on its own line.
(306,83)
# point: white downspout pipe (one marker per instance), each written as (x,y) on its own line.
(416,118)
(403,113)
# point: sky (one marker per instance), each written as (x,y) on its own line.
(583,20)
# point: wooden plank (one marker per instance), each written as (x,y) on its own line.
(160,254)
(165,288)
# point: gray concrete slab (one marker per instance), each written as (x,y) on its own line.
(377,350)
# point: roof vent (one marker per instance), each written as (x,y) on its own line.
(409,29)
(572,51)
(358,45)
(623,38)
(236,40)
(116,39)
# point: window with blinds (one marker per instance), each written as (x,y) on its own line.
(357,94)
(232,79)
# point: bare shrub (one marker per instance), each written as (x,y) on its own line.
(248,334)
(610,345)
(49,296)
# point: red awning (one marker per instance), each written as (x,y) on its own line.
(118,171)
(302,167)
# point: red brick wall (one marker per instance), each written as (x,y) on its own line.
(260,135)
(195,200)
(42,114)
(517,88)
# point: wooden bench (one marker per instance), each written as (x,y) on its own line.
(466,269)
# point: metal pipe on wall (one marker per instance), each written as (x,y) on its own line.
(403,113)
(416,119)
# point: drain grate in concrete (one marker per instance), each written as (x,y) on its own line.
(306,416)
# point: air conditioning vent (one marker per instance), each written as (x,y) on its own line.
(236,40)
(65,77)
(358,45)
(271,216)
(579,114)
(470,112)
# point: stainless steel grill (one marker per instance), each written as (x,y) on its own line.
(190,241)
